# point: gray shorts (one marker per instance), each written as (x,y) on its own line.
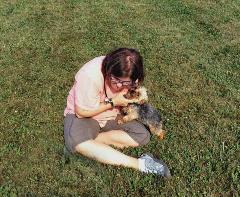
(78,130)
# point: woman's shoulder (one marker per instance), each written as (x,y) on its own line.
(93,65)
(91,70)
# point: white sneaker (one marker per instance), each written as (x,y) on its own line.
(154,166)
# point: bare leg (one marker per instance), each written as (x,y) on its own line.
(106,154)
(117,138)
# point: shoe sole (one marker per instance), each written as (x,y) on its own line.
(167,173)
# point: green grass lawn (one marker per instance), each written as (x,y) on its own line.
(191,52)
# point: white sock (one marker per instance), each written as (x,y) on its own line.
(141,165)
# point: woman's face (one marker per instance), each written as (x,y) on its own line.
(117,84)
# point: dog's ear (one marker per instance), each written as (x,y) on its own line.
(133,89)
(135,86)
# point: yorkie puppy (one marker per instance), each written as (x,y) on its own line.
(142,112)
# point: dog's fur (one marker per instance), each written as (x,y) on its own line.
(142,112)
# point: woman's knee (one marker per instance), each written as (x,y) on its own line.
(138,132)
(144,138)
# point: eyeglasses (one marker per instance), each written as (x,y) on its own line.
(119,83)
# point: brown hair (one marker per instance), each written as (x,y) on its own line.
(124,62)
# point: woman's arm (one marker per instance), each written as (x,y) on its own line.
(118,100)
(89,113)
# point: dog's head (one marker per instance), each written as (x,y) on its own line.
(139,94)
(132,94)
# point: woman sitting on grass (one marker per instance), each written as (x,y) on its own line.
(92,106)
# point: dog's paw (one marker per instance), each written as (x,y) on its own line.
(120,121)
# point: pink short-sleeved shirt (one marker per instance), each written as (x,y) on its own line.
(88,91)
